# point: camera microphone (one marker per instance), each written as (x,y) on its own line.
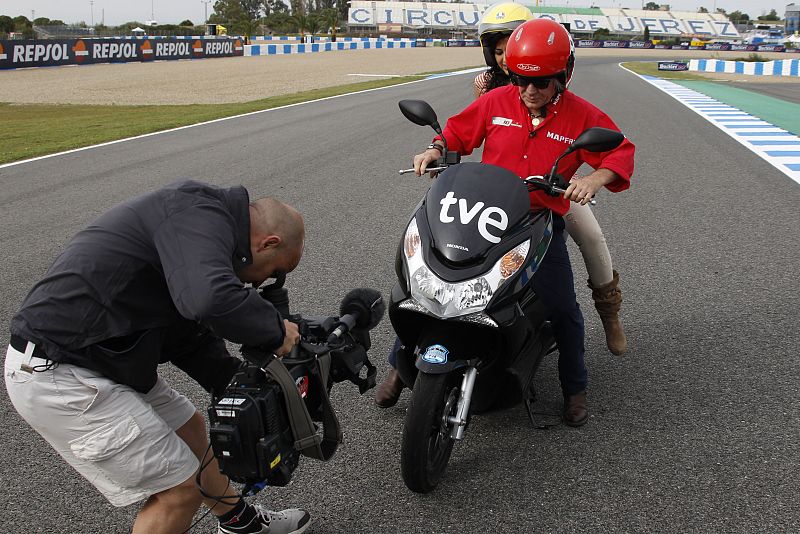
(361,308)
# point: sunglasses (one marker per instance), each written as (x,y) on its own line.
(524,81)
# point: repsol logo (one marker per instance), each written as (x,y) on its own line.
(174,49)
(39,52)
(215,48)
(114,50)
(560,138)
(491,216)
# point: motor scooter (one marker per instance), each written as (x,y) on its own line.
(471,328)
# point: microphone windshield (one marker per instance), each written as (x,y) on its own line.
(366,304)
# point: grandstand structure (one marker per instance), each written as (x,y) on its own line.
(417,17)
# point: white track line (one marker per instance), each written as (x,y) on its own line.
(779,148)
(22,162)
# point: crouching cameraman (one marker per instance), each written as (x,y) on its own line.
(156,279)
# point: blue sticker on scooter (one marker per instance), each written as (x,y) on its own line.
(435,354)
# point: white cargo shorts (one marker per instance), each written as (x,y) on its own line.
(120,440)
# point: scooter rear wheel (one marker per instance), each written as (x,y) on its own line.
(427,444)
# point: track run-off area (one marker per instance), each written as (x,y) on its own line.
(695,429)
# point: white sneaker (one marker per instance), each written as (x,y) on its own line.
(291,521)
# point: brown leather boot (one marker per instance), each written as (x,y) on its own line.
(576,412)
(607,300)
(389,390)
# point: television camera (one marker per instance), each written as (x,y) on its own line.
(275,410)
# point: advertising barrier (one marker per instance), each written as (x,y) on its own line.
(592,43)
(673,65)
(47,53)
(781,67)
(718,46)
(282,49)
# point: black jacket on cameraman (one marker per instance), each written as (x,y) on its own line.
(154,280)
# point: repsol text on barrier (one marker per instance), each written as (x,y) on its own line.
(47,53)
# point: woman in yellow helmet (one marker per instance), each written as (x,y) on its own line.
(495,27)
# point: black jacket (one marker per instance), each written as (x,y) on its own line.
(154,280)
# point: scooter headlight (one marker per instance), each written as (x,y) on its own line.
(411,242)
(445,299)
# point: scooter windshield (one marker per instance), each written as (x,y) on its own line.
(470,206)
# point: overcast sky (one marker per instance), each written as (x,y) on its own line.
(115,12)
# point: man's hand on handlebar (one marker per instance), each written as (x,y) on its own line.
(421,161)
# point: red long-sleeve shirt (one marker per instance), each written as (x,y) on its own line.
(500,119)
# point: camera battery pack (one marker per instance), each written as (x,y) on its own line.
(250,432)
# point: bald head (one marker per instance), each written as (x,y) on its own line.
(270,216)
(277,235)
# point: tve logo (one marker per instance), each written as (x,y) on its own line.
(490,216)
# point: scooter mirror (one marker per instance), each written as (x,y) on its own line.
(419,112)
(597,140)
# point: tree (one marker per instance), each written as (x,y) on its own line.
(298,7)
(186,22)
(6,24)
(647,33)
(252,8)
(651,6)
(247,26)
(238,15)
(330,17)
(772,16)
(228,11)
(341,6)
(21,23)
(738,17)
(313,24)
(601,33)
(273,6)
(278,22)
(302,22)
(702,10)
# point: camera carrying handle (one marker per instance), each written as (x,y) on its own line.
(307,440)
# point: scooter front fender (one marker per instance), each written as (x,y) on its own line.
(439,368)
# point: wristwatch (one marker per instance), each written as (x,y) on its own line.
(440,148)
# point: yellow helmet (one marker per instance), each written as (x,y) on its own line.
(499,20)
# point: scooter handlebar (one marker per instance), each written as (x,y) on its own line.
(541,182)
(429,169)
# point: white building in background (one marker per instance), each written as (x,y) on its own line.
(792,18)
(403,16)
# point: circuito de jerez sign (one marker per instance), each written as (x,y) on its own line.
(53,52)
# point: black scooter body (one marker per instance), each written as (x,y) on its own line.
(460,241)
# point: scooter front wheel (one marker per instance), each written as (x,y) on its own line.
(427,444)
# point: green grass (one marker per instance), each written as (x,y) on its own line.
(31,130)
(650,68)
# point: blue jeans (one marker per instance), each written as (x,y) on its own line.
(554,284)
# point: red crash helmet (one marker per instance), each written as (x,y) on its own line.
(541,48)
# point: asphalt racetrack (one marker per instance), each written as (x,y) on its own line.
(696,429)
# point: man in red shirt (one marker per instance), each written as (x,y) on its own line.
(524,127)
